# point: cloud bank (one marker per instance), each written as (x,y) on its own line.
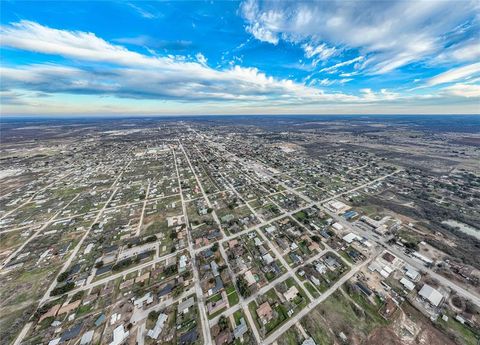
(126,73)
(342,42)
(391,34)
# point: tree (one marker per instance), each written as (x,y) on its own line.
(243,286)
(153,315)
(177,291)
(222,322)
(77,296)
(62,289)
(411,245)
(151,239)
(62,277)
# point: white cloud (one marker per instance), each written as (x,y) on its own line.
(391,33)
(31,36)
(109,70)
(326,82)
(464,90)
(140,76)
(262,34)
(465,51)
(455,74)
(143,12)
(201,59)
(321,52)
(350,74)
(329,82)
(333,69)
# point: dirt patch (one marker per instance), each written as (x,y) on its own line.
(415,329)
(383,336)
(432,336)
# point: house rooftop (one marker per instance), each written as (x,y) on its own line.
(155,332)
(185,304)
(433,296)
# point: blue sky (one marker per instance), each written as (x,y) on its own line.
(249,57)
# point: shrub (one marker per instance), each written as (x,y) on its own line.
(62,277)
(61,289)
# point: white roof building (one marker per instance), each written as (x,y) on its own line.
(268,258)
(407,284)
(155,332)
(412,273)
(388,270)
(434,297)
(337,226)
(366,243)
(86,338)
(321,268)
(148,298)
(309,341)
(291,293)
(88,249)
(423,258)
(183,306)
(337,206)
(250,278)
(54,341)
(350,237)
(119,335)
(270,229)
(183,263)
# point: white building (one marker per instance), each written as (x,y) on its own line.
(350,237)
(119,335)
(407,284)
(155,332)
(434,297)
(291,293)
(337,206)
(182,264)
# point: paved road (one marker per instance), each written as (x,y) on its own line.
(461,291)
(267,287)
(207,337)
(292,321)
(143,209)
(46,296)
(35,234)
(34,194)
(67,264)
(444,281)
(291,272)
(233,278)
(266,240)
(472,296)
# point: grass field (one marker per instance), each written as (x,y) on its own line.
(463,334)
(290,337)
(311,289)
(340,314)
